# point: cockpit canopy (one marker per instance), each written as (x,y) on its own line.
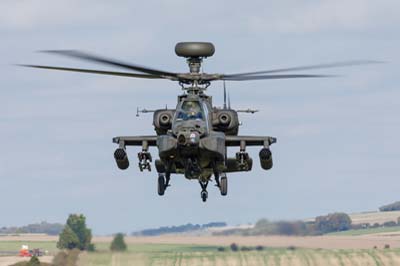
(190,110)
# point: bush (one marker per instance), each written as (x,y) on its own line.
(69,258)
(34,261)
(246,248)
(387,246)
(291,228)
(234,247)
(118,243)
(60,258)
(221,249)
(91,247)
(375,225)
(292,248)
(389,224)
(259,248)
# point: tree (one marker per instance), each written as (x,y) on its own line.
(80,237)
(333,222)
(77,222)
(118,243)
(68,239)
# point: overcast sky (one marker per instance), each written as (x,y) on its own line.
(337,150)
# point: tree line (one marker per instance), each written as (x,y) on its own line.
(333,222)
(36,228)
(177,229)
(395,206)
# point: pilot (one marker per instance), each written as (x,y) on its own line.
(190,110)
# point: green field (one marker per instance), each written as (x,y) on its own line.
(187,255)
(368,231)
(205,255)
(16,245)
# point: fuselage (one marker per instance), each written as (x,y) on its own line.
(192,147)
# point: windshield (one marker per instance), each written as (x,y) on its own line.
(190,110)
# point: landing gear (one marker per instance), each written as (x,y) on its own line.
(222,183)
(192,169)
(204,193)
(163,183)
(223,187)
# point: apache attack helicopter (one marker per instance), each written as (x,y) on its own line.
(192,139)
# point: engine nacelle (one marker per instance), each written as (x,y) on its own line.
(226,121)
(121,158)
(266,158)
(162,121)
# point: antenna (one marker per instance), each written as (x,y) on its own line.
(144,111)
(224,95)
(229,101)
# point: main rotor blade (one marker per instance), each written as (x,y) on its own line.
(102,72)
(102,60)
(319,66)
(239,78)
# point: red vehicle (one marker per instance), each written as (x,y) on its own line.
(26,252)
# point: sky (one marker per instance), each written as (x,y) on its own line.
(337,148)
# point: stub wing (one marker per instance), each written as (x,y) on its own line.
(136,140)
(265,141)
(230,141)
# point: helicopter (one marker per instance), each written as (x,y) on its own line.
(192,139)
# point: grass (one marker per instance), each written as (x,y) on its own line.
(183,255)
(367,231)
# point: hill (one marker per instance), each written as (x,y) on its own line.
(36,228)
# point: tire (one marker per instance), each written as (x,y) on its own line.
(204,196)
(224,186)
(161,185)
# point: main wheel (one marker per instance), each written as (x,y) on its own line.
(204,195)
(224,186)
(161,185)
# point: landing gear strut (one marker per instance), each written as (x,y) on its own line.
(204,193)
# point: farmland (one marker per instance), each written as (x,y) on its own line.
(202,250)
(155,255)
(368,231)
